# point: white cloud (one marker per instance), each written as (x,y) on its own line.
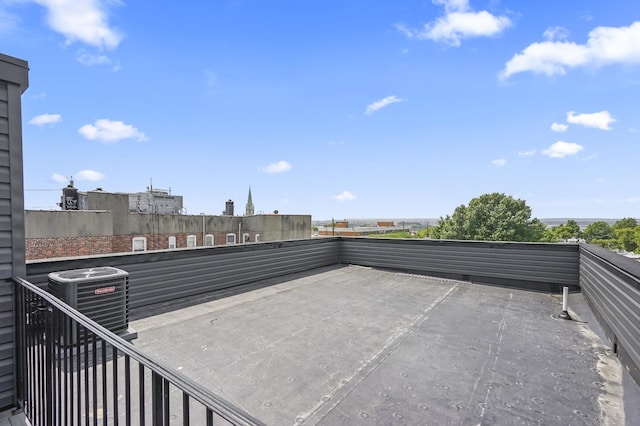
(345,196)
(90,175)
(562,149)
(377,105)
(41,120)
(599,120)
(8,21)
(558,127)
(279,167)
(58,178)
(529,153)
(82,20)
(605,46)
(39,95)
(499,162)
(556,33)
(90,59)
(458,22)
(111,131)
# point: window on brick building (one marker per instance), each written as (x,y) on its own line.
(208,240)
(245,238)
(139,244)
(191,240)
(231,238)
(257,238)
(172,242)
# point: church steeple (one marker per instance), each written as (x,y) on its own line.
(249,207)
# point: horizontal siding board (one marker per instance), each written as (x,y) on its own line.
(617,305)
(6,350)
(5,207)
(536,263)
(611,285)
(5,191)
(6,334)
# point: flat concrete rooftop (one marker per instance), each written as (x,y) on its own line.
(352,345)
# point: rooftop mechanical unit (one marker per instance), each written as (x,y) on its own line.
(101,294)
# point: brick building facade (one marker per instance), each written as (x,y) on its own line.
(113,228)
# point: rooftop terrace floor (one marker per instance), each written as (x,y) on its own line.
(352,345)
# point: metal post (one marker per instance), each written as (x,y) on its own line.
(49,397)
(565,301)
(157,399)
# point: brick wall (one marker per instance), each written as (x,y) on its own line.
(44,248)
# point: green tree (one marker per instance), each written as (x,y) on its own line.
(490,217)
(627,238)
(424,233)
(597,231)
(574,228)
(571,229)
(627,222)
(537,231)
(549,236)
(625,234)
(563,232)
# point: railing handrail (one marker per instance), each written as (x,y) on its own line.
(220,406)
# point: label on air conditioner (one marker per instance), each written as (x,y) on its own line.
(104,290)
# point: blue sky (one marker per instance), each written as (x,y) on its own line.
(338,109)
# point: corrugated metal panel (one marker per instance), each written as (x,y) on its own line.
(546,267)
(611,286)
(160,277)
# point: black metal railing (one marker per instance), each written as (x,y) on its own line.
(72,371)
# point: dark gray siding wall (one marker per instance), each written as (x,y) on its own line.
(546,267)
(611,286)
(157,278)
(13,82)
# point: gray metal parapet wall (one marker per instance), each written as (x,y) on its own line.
(164,276)
(534,266)
(610,284)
